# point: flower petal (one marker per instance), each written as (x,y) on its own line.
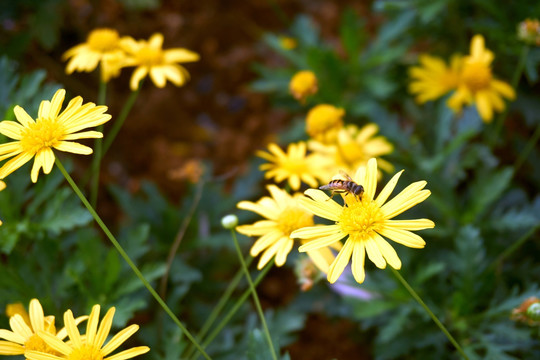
(358,260)
(9,348)
(316,231)
(37,318)
(119,339)
(341,261)
(370,182)
(320,242)
(387,252)
(403,237)
(387,190)
(374,254)
(129,353)
(73,147)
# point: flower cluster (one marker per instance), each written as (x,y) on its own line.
(529,31)
(105,47)
(34,335)
(470,77)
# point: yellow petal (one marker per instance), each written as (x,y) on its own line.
(320,242)
(129,353)
(9,348)
(374,254)
(119,339)
(403,237)
(11,129)
(179,55)
(358,260)
(73,147)
(387,252)
(387,190)
(22,116)
(315,231)
(341,261)
(37,317)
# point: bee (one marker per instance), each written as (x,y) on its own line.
(347,186)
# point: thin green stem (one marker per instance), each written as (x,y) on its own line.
(126,257)
(254,294)
(98,146)
(217,329)
(121,118)
(527,149)
(516,245)
(515,80)
(217,309)
(430,313)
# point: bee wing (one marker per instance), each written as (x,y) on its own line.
(345,175)
(325,187)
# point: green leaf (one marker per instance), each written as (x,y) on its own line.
(352,33)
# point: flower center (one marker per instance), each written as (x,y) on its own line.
(103,40)
(86,352)
(36,343)
(350,153)
(360,219)
(45,133)
(293,218)
(149,56)
(476,76)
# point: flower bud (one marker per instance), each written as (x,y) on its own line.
(229,221)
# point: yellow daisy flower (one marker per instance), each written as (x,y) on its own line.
(162,65)
(283,215)
(323,122)
(353,148)
(433,78)
(51,129)
(303,84)
(90,346)
(101,46)
(294,165)
(363,221)
(478,86)
(18,308)
(24,334)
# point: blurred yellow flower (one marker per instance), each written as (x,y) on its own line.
(101,47)
(161,65)
(24,335)
(323,123)
(90,346)
(2,187)
(294,165)
(363,221)
(18,308)
(288,43)
(303,84)
(51,129)
(478,86)
(353,148)
(433,78)
(282,216)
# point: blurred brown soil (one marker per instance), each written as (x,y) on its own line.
(215,117)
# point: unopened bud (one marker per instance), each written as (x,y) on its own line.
(533,312)
(229,221)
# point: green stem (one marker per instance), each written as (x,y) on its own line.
(515,80)
(516,245)
(126,257)
(527,149)
(121,118)
(234,309)
(254,294)
(430,313)
(98,145)
(217,309)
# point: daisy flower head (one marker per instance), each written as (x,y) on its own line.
(433,78)
(102,46)
(24,333)
(282,215)
(51,129)
(363,222)
(303,84)
(323,122)
(150,58)
(353,148)
(477,84)
(294,165)
(529,31)
(91,345)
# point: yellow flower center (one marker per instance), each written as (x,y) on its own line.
(45,133)
(149,56)
(86,352)
(36,343)
(360,219)
(103,40)
(476,75)
(293,218)
(323,121)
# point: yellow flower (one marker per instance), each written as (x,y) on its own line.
(283,215)
(363,221)
(433,78)
(294,165)
(101,47)
(478,86)
(353,148)
(90,346)
(162,65)
(288,43)
(303,84)
(24,334)
(323,122)
(51,129)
